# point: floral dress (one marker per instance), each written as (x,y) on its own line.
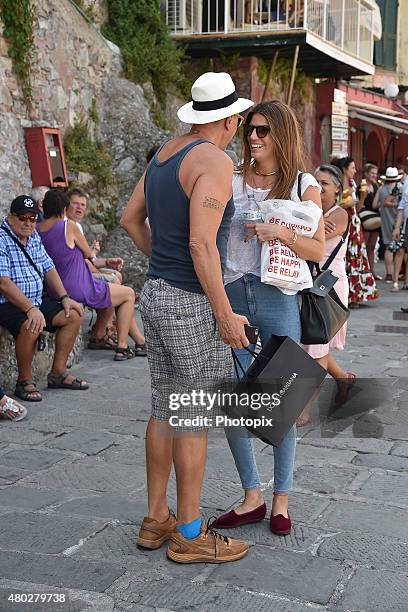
(361,281)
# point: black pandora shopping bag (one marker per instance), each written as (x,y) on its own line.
(274,390)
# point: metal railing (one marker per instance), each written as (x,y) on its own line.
(348,24)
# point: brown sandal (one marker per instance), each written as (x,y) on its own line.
(123,354)
(106,343)
(27,396)
(57,381)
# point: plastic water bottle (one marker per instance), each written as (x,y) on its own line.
(253,214)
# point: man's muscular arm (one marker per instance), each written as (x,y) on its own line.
(213,203)
(209,197)
(134,219)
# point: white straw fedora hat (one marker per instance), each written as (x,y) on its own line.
(391,174)
(214,97)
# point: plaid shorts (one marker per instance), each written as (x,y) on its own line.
(184,350)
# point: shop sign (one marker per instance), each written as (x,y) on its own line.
(339,108)
(339,121)
(339,148)
(339,133)
(340,96)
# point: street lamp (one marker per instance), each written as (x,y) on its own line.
(391,90)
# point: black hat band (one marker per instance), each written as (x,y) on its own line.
(216,104)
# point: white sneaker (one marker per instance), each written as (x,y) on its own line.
(395,287)
(11,409)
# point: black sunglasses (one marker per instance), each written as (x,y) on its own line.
(261,130)
(32,217)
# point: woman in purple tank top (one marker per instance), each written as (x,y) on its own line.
(68,248)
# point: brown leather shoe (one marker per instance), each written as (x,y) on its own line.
(208,547)
(153,534)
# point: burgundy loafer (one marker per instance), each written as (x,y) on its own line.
(232,519)
(280,525)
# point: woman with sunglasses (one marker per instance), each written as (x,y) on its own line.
(336,222)
(271,168)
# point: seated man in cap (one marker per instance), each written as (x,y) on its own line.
(24,310)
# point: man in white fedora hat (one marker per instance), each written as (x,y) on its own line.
(391,175)
(189,325)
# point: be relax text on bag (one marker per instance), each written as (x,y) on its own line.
(280,265)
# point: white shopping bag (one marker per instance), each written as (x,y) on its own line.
(280,266)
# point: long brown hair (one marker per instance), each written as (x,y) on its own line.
(287,141)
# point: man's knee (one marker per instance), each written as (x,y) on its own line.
(61,320)
(26,334)
(74,319)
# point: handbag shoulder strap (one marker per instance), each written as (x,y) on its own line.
(336,249)
(299,187)
(21,247)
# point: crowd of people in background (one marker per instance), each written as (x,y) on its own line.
(377,209)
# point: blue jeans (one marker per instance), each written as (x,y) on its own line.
(272,312)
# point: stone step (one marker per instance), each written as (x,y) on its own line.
(400,316)
(392,329)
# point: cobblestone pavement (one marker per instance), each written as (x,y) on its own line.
(73,492)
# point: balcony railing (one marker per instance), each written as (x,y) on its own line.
(348,24)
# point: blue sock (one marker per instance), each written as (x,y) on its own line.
(190,530)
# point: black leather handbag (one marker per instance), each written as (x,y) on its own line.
(322,312)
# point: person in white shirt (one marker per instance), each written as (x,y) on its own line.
(401,222)
(273,167)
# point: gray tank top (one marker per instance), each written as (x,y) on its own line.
(168,209)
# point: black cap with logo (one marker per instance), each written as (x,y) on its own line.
(24,204)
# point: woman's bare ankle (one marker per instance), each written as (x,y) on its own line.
(253,498)
(280,503)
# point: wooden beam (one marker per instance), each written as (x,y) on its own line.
(270,73)
(292,77)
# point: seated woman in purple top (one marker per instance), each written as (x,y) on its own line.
(69,249)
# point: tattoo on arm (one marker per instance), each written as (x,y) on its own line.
(212,203)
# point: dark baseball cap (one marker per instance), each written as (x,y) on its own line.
(24,204)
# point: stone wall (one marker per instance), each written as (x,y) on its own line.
(98,10)
(70,62)
(74,65)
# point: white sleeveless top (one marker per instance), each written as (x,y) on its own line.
(245,257)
